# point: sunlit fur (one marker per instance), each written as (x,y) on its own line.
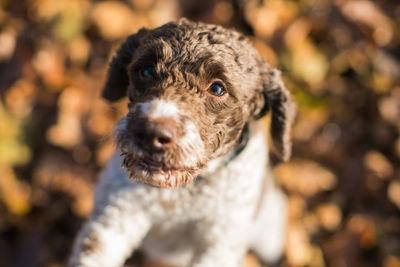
(208,196)
(179,165)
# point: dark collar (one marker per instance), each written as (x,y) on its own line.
(237,149)
(241,143)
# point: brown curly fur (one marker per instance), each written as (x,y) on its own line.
(188,57)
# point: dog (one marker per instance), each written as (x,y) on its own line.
(189,183)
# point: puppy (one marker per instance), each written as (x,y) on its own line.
(194,188)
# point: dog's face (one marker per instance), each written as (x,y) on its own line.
(192,89)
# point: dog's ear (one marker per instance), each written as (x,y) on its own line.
(117,78)
(276,98)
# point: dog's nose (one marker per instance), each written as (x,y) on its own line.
(158,134)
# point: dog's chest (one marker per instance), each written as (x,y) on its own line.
(189,203)
(228,189)
(231,189)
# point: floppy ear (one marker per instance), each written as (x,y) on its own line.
(117,78)
(275,98)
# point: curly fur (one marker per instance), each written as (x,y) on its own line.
(200,192)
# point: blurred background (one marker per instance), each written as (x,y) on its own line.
(340,59)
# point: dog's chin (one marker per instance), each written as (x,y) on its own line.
(150,172)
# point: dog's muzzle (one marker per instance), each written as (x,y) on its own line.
(155,136)
(160,148)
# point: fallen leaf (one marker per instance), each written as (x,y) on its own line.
(368,13)
(378,163)
(393,193)
(298,248)
(391,261)
(15,194)
(114,20)
(329,215)
(305,176)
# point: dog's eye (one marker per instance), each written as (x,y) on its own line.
(149,71)
(217,89)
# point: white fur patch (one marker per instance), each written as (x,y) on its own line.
(159,108)
(192,142)
(189,154)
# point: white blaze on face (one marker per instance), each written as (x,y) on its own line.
(158,108)
(188,149)
(190,142)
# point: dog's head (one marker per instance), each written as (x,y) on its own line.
(192,89)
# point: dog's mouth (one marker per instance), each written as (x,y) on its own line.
(150,171)
(149,163)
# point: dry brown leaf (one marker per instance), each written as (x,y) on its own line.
(68,132)
(364,228)
(8,40)
(329,215)
(381,83)
(82,154)
(79,50)
(305,176)
(20,98)
(317,258)
(378,163)
(104,152)
(54,174)
(393,193)
(13,150)
(46,9)
(142,4)
(265,51)
(309,121)
(389,107)
(297,33)
(162,12)
(326,140)
(358,60)
(311,223)
(114,20)
(368,13)
(391,261)
(49,63)
(223,12)
(298,248)
(296,206)
(15,194)
(266,19)
(99,121)
(306,61)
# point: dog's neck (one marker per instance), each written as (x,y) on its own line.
(240,144)
(223,162)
